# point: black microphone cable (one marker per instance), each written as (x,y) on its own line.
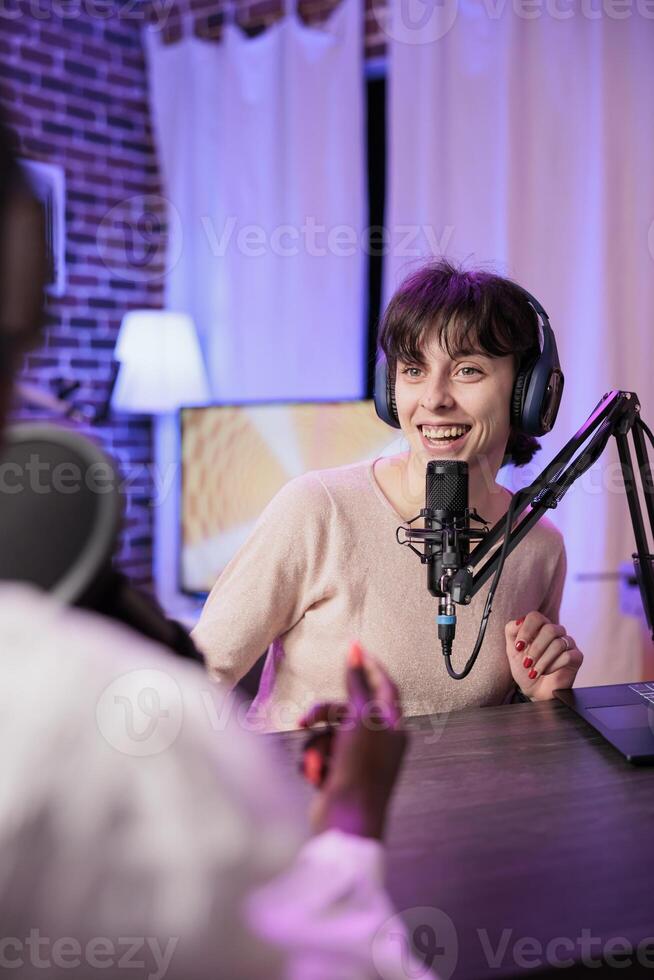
(459,676)
(646,429)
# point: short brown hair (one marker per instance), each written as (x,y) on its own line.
(465,311)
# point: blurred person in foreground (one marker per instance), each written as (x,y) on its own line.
(141,826)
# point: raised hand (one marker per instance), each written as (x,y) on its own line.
(362,755)
(542,656)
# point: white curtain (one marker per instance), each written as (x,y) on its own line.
(261,148)
(261,145)
(522,137)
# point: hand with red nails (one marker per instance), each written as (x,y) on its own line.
(365,750)
(542,657)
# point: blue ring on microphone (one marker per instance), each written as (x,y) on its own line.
(446,620)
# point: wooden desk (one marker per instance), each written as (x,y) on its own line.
(516,826)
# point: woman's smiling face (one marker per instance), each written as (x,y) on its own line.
(456,406)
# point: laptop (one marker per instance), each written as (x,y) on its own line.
(622,713)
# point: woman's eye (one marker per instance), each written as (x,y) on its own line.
(411,371)
(471,371)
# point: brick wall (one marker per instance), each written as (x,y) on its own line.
(73,83)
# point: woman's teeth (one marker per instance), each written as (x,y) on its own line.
(444,432)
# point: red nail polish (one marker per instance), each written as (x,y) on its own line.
(313,766)
(519,622)
(527,662)
(355,655)
(520,646)
(532,674)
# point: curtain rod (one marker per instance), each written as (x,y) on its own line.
(373,68)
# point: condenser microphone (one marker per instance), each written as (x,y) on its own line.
(446,512)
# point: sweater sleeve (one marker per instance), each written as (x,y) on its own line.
(280,571)
(331,916)
(554,591)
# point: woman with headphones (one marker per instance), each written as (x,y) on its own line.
(467,376)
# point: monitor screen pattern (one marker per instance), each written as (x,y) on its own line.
(235,458)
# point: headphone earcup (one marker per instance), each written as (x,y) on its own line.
(390,399)
(384,395)
(518,398)
(538,385)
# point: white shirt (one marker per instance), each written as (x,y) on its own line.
(141,823)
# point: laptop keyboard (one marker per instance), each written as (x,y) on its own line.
(645,690)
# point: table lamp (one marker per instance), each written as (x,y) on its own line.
(161,368)
(161,364)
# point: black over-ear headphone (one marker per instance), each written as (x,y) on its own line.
(537,388)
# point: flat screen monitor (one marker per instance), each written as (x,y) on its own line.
(236,457)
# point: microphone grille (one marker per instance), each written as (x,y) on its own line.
(447,486)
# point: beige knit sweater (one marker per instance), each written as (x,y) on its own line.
(322,567)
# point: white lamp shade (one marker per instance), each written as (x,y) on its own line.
(161,364)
